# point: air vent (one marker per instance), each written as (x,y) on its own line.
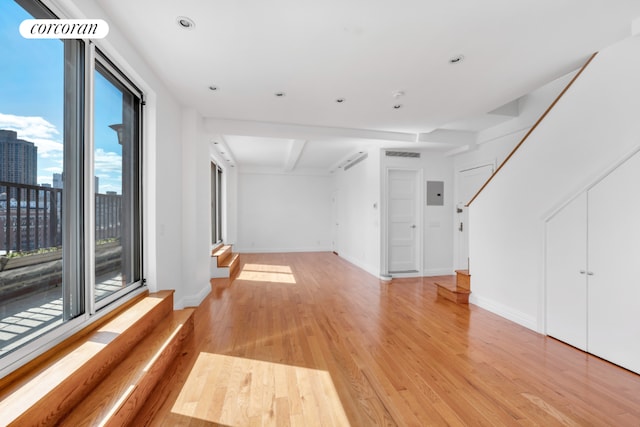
(403,154)
(356,161)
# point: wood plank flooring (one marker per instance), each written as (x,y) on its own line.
(303,339)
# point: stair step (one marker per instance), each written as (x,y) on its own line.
(117,399)
(447,289)
(228,261)
(221,254)
(463,279)
(54,388)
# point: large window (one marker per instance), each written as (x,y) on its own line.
(70,228)
(216,204)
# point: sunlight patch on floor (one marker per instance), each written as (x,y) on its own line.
(267,273)
(234,391)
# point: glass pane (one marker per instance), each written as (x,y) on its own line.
(116,191)
(32,146)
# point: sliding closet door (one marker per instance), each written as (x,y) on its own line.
(566,272)
(614,261)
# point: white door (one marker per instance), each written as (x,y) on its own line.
(614,256)
(403,255)
(566,274)
(469,182)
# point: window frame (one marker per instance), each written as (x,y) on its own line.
(216,203)
(79,221)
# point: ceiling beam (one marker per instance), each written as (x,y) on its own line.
(296,146)
(220,150)
(294,131)
(448,136)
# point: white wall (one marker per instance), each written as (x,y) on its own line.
(283,212)
(590,129)
(358,212)
(195,199)
(494,144)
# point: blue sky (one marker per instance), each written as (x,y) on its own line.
(32,96)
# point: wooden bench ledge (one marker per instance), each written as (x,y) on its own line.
(51,390)
(118,398)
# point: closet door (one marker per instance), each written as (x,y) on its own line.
(613,266)
(566,274)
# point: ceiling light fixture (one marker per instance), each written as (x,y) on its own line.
(213,88)
(280,94)
(185,23)
(340,100)
(456,59)
(397,106)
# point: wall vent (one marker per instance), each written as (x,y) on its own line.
(355,161)
(402,154)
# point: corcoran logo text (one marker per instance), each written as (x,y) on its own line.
(64,28)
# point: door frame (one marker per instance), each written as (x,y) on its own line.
(420,201)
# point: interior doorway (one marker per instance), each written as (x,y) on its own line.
(469,182)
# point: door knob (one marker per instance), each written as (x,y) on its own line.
(582,272)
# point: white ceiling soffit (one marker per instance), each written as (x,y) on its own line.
(362,69)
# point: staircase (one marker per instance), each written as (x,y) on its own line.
(455,288)
(224,262)
(104,377)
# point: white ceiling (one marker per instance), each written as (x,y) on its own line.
(362,51)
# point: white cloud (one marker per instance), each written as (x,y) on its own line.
(37,130)
(107,162)
(53,169)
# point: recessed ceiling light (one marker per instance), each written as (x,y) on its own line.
(216,142)
(185,23)
(280,94)
(213,88)
(456,59)
(397,106)
(340,100)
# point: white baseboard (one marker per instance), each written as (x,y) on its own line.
(193,300)
(438,272)
(518,317)
(279,250)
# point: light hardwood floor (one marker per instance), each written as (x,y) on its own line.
(309,339)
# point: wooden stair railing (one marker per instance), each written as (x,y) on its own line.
(106,376)
(455,288)
(553,104)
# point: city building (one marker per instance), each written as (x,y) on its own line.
(57,180)
(18,159)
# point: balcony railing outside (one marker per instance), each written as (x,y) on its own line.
(31,258)
(31,217)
